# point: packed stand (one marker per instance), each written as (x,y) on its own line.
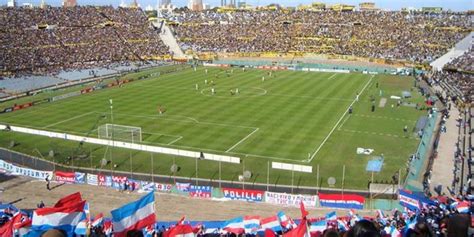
(457,77)
(464,62)
(390,35)
(470,145)
(45,41)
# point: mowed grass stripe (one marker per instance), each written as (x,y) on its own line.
(296,114)
(318,118)
(274,144)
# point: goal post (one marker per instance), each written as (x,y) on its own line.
(120,133)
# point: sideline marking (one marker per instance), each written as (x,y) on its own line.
(337,123)
(384,117)
(174,146)
(380,134)
(243,139)
(189,120)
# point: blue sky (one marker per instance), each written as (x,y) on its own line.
(456,5)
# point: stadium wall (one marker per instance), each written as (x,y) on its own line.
(180,186)
(227,191)
(291,56)
(42,164)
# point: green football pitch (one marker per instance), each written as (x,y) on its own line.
(291,117)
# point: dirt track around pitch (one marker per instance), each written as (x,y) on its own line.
(26,193)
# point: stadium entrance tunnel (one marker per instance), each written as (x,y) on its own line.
(228,92)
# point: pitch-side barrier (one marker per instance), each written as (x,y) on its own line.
(121,144)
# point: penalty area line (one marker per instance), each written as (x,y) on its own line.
(343,122)
(69,119)
(175,140)
(331,77)
(243,139)
(337,123)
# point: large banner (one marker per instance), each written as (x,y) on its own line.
(16,170)
(118,181)
(200,191)
(183,187)
(349,201)
(243,194)
(105,180)
(273,67)
(8,110)
(216,65)
(92,179)
(163,187)
(133,184)
(413,201)
(87,90)
(80,178)
(290,199)
(22,106)
(146,186)
(66,177)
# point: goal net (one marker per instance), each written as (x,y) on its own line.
(120,133)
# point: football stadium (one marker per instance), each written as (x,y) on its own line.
(155,119)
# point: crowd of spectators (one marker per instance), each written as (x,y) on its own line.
(457,77)
(464,62)
(379,34)
(48,40)
(442,219)
(459,85)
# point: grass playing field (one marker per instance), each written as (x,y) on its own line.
(291,117)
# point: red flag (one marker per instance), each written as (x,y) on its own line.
(108,227)
(180,230)
(98,220)
(304,213)
(22,222)
(269,233)
(302,229)
(7,228)
(197,228)
(181,221)
(70,199)
(299,231)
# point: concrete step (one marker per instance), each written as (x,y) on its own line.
(168,39)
